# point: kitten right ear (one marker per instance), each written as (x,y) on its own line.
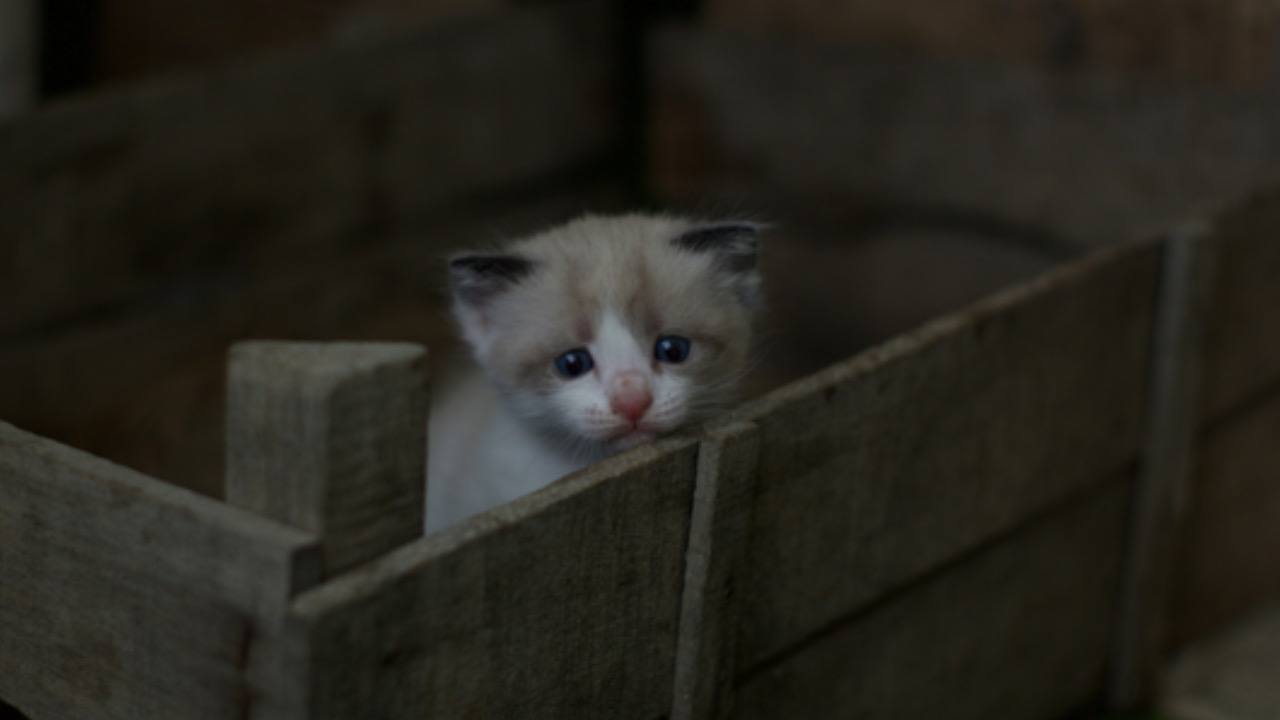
(476,279)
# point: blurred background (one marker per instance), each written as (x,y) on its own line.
(176,176)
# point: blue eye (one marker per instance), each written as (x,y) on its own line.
(672,349)
(574,363)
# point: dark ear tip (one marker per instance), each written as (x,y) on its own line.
(476,278)
(492,267)
(734,241)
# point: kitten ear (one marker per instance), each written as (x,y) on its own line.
(476,279)
(733,243)
(735,248)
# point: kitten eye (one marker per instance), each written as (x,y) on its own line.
(574,363)
(672,349)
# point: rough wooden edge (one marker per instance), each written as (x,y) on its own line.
(938,329)
(196,508)
(175,555)
(331,438)
(713,571)
(371,578)
(18,56)
(1163,481)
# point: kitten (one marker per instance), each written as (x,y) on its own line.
(593,338)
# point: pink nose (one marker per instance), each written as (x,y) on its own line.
(629,395)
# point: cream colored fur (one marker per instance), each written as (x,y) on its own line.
(611,286)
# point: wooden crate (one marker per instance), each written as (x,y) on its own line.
(976,518)
(950,512)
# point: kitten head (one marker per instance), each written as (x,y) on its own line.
(610,331)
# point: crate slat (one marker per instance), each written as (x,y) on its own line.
(1021,630)
(881,467)
(124,597)
(561,604)
(1243,330)
(330,438)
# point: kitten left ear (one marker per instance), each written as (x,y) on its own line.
(733,243)
(476,280)
(735,248)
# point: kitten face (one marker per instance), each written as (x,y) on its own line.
(608,332)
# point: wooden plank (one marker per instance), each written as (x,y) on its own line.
(1019,630)
(1234,675)
(713,572)
(1164,477)
(1243,331)
(1089,157)
(880,468)
(561,604)
(123,597)
(264,165)
(19,76)
(331,438)
(1229,562)
(138,37)
(1222,40)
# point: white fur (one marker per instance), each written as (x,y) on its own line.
(610,286)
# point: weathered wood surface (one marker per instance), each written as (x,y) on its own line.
(19,65)
(1166,467)
(124,597)
(1232,40)
(713,572)
(1019,630)
(331,438)
(291,159)
(1230,553)
(882,467)
(1089,157)
(1243,332)
(1234,675)
(138,36)
(564,603)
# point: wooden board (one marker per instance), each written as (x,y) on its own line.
(331,438)
(1230,554)
(1087,157)
(1222,40)
(1019,630)
(714,568)
(561,604)
(1243,330)
(141,37)
(124,597)
(269,165)
(882,467)
(1165,468)
(1233,675)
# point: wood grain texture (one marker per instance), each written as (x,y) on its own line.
(263,165)
(1243,330)
(563,603)
(1167,464)
(1019,630)
(1229,559)
(1220,40)
(713,571)
(1233,675)
(1090,157)
(880,468)
(124,597)
(331,438)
